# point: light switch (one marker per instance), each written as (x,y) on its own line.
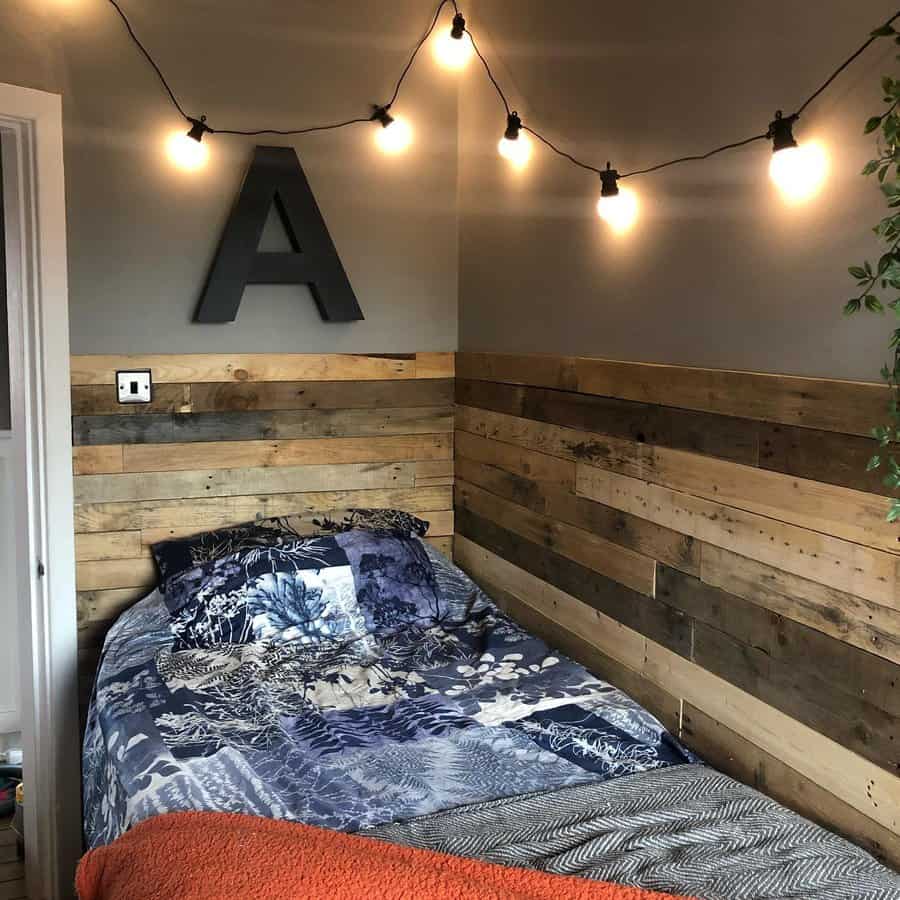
(134,386)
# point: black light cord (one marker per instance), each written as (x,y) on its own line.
(546,141)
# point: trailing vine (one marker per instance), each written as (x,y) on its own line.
(876,281)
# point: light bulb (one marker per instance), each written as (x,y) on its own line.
(517,151)
(620,210)
(799,172)
(186,152)
(395,137)
(453,49)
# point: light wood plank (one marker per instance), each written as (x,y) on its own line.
(858,782)
(529,464)
(613,560)
(94,460)
(206,513)
(101,399)
(434,472)
(436,365)
(183,485)
(115,573)
(443,544)
(851,568)
(238,454)
(539,369)
(839,511)
(106,605)
(107,545)
(854,620)
(224,367)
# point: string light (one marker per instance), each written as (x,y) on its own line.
(515,145)
(187,151)
(617,206)
(453,49)
(798,171)
(395,134)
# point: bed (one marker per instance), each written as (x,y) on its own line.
(357,681)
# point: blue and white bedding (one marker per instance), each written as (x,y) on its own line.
(347,682)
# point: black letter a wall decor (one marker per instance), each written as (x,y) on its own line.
(275,175)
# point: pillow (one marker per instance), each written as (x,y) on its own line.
(301,591)
(180,554)
(396,585)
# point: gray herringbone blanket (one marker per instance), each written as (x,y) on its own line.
(686,830)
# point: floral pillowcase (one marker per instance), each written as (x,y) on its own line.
(301,591)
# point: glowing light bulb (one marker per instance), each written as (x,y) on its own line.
(453,49)
(617,206)
(619,211)
(518,152)
(799,172)
(395,137)
(186,153)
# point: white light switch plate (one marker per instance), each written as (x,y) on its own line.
(134,386)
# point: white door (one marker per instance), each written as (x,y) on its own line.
(37,559)
(12,462)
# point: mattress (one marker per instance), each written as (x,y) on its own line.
(436,715)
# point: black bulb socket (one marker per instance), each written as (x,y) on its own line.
(781,131)
(513,127)
(381,114)
(608,180)
(458,28)
(198,129)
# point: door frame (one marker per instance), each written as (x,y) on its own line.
(31,121)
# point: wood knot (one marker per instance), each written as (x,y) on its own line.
(241,374)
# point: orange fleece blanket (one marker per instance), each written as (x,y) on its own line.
(221,856)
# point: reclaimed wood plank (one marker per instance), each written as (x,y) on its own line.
(433,472)
(542,370)
(215,512)
(616,454)
(96,460)
(106,605)
(443,543)
(100,399)
(184,485)
(634,570)
(854,620)
(274,395)
(860,783)
(436,365)
(107,545)
(816,455)
(644,614)
(734,755)
(242,367)
(556,501)
(311,451)
(529,464)
(115,573)
(263,425)
(851,568)
(722,436)
(838,511)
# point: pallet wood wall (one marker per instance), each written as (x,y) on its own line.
(230,438)
(711,542)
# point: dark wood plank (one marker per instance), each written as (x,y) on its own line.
(660,703)
(841,674)
(13,890)
(713,435)
(743,760)
(13,871)
(321,395)
(671,547)
(821,456)
(267,425)
(647,615)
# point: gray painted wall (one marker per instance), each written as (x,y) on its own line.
(142,235)
(718,272)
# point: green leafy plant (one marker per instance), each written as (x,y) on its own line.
(877,283)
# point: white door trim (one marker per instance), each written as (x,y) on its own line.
(48,624)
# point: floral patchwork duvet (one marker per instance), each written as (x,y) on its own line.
(347,681)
